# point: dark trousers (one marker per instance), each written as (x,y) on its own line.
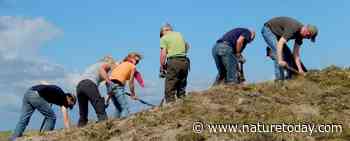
(88,91)
(176,78)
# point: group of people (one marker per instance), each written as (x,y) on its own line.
(227,51)
(174,67)
(115,75)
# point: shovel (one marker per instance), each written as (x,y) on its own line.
(293,70)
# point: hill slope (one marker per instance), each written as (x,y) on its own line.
(322,97)
(4,135)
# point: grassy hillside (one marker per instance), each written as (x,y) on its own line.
(319,98)
(4,135)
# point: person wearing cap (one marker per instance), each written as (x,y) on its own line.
(87,89)
(173,59)
(227,53)
(277,32)
(40,97)
(121,75)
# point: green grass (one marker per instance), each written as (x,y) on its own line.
(322,96)
(4,135)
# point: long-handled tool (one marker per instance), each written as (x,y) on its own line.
(162,102)
(293,70)
(44,121)
(142,101)
(241,78)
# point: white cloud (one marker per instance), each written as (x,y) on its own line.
(23,36)
(21,64)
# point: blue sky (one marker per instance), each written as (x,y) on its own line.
(84,31)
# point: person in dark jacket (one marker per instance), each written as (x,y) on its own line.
(41,97)
(227,53)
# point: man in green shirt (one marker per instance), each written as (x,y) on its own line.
(173,59)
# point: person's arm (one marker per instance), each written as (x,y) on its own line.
(132,85)
(163,54)
(66,119)
(280,46)
(296,54)
(187,45)
(239,45)
(104,73)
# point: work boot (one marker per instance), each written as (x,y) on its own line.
(82,123)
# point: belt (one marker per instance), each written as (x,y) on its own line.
(117,82)
(177,57)
(181,57)
(111,88)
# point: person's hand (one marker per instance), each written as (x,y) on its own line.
(240,58)
(133,96)
(109,82)
(282,63)
(302,73)
(238,55)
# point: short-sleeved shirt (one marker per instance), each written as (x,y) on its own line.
(174,43)
(287,28)
(122,72)
(51,93)
(232,36)
(93,73)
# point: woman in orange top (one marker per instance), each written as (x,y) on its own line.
(120,75)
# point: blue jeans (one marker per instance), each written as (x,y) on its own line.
(32,101)
(271,40)
(226,63)
(120,101)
